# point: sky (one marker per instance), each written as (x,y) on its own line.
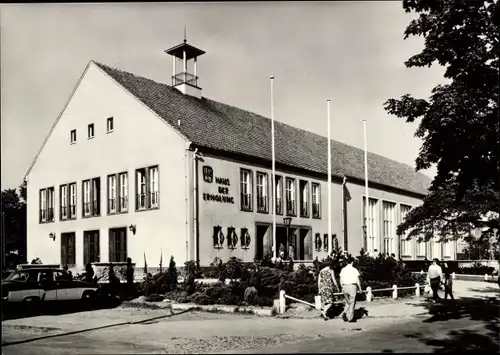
(352,53)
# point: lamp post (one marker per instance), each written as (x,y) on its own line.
(287,221)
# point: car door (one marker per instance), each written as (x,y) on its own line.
(47,283)
(23,285)
(66,289)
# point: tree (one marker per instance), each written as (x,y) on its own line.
(459,122)
(14,226)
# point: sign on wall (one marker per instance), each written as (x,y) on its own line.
(223,193)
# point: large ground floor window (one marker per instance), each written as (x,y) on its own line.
(68,241)
(293,242)
(118,244)
(91,247)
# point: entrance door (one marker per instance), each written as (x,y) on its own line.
(305,244)
(261,233)
(118,245)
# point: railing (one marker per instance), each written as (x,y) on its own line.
(315,210)
(123,204)
(50,214)
(111,205)
(304,210)
(279,205)
(184,77)
(262,203)
(369,296)
(72,211)
(290,207)
(246,201)
(64,212)
(154,198)
(141,201)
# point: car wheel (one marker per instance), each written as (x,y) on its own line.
(88,299)
(31,305)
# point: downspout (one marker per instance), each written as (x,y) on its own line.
(195,206)
(344,179)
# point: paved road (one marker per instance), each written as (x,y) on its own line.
(401,327)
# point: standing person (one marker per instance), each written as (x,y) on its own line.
(326,282)
(351,285)
(434,277)
(448,285)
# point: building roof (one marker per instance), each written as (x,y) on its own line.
(211,124)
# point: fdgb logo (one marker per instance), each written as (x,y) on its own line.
(208,174)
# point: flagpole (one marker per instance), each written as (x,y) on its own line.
(273,167)
(366,187)
(329,238)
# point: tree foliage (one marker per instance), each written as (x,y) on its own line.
(14,224)
(459,122)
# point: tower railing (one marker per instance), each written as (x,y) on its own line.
(184,77)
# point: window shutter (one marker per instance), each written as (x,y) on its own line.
(111,246)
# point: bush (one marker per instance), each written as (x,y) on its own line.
(172,275)
(476,269)
(36,261)
(233,268)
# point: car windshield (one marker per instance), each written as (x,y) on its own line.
(18,276)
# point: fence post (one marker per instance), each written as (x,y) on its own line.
(453,276)
(421,272)
(369,294)
(417,289)
(486,277)
(282,302)
(317,302)
(395,292)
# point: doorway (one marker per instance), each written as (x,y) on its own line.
(261,233)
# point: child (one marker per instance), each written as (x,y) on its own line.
(448,285)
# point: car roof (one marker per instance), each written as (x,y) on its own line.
(39,269)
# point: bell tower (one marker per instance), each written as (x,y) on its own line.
(185,81)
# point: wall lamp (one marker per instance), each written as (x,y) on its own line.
(132,228)
(52,236)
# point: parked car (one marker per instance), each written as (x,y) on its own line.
(30,287)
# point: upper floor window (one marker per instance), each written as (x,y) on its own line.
(405,244)
(290,197)
(91,197)
(262,192)
(246,189)
(47,198)
(316,200)
(67,206)
(73,136)
(147,188)
(118,193)
(109,124)
(91,130)
(278,184)
(304,198)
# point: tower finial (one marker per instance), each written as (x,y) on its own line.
(185,34)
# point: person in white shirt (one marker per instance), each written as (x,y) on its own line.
(351,285)
(434,277)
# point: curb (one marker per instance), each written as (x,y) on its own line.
(263,312)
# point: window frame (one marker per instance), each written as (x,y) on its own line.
(305,184)
(72,136)
(147,188)
(293,195)
(313,203)
(94,197)
(110,122)
(90,128)
(249,195)
(390,236)
(372,242)
(49,210)
(265,191)
(278,185)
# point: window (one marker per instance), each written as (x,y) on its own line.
(118,245)
(304,198)
(246,189)
(109,124)
(73,136)
(421,246)
(448,249)
(47,197)
(90,247)
(371,224)
(262,192)
(123,192)
(91,197)
(290,197)
(405,244)
(316,200)
(147,188)
(62,276)
(68,249)
(67,201)
(435,248)
(278,184)
(112,194)
(91,130)
(389,209)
